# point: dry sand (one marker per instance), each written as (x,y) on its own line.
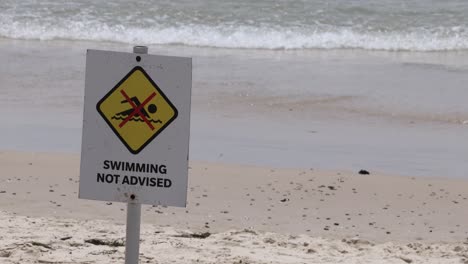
(251,214)
(52,240)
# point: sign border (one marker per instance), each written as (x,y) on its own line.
(176,113)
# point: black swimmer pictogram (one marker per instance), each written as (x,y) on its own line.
(137,112)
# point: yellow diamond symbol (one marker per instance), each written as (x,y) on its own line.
(136,110)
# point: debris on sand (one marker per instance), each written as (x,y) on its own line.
(101,242)
(202,235)
(39,244)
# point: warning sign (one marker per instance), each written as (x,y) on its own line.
(137,110)
(136,127)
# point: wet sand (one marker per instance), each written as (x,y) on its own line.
(402,113)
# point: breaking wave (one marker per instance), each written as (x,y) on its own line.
(392,25)
(244,37)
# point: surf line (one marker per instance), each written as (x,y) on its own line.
(115,178)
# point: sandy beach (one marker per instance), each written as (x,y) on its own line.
(278,138)
(236,214)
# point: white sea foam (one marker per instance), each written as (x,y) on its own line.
(241,37)
(312,26)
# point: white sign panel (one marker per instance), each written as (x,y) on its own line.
(136,126)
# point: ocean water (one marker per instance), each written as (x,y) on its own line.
(417,25)
(379,85)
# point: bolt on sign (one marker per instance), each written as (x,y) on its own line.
(136,125)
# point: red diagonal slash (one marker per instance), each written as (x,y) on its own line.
(137,109)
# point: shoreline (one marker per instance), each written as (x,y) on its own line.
(327,109)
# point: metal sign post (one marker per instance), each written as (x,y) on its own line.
(132,238)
